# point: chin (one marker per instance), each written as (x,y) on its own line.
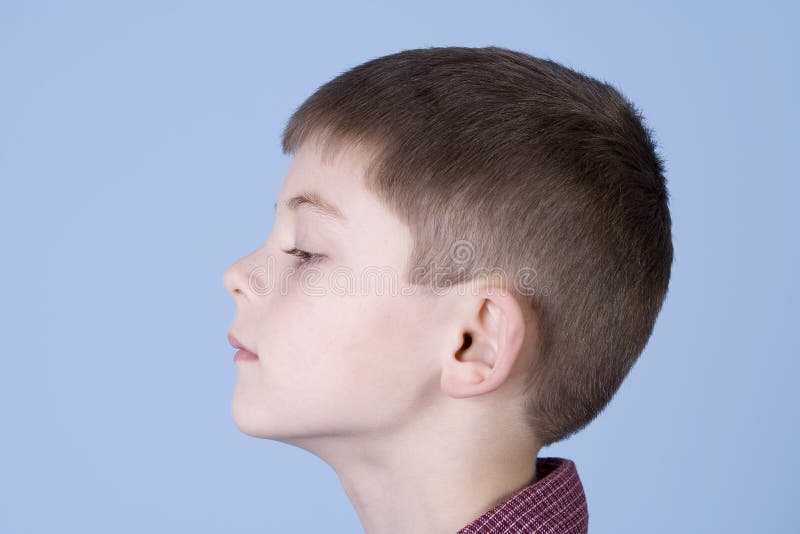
(246,416)
(256,420)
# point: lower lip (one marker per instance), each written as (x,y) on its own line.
(244,356)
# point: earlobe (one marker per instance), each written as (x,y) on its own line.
(465,379)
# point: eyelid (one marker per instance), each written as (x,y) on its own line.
(304,257)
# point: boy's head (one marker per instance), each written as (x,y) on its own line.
(501,251)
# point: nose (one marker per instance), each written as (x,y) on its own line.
(235,278)
(252,276)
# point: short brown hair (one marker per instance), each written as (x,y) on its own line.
(539,167)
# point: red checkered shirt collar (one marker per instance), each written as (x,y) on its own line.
(554,503)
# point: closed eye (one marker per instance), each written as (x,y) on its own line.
(304,257)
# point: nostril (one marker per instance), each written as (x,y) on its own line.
(233,281)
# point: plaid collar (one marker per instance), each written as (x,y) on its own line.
(553,503)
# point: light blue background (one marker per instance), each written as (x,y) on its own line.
(139,157)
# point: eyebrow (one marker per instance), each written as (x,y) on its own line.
(316,202)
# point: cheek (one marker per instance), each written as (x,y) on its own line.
(384,348)
(356,354)
(309,339)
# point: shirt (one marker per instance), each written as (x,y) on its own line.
(553,503)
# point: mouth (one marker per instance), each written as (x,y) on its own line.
(244,353)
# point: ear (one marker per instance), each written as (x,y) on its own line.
(491,336)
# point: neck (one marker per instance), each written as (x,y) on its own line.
(435,475)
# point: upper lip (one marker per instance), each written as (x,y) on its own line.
(238,344)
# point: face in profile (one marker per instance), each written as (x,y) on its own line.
(343,345)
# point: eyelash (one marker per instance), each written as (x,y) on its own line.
(304,258)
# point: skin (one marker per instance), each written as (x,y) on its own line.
(424,434)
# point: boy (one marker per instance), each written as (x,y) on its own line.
(518,211)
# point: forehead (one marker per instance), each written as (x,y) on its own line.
(337,182)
